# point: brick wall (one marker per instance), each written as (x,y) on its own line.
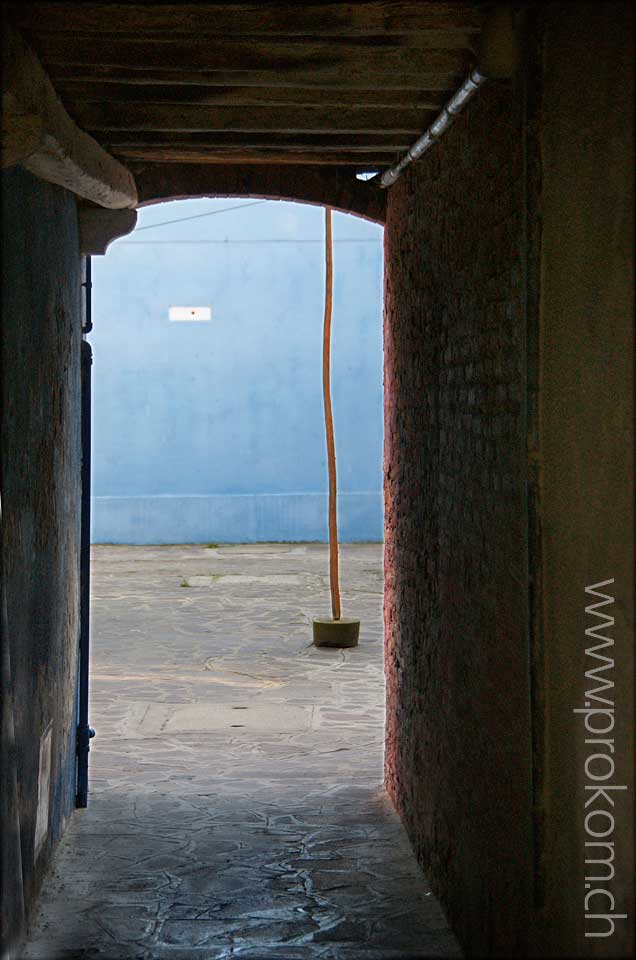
(458,751)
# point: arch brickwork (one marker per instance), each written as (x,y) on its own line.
(332,187)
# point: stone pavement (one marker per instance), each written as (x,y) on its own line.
(236,805)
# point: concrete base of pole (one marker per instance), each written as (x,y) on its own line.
(336,633)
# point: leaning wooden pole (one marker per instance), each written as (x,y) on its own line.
(339,631)
(331,447)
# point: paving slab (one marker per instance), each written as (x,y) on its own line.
(236,803)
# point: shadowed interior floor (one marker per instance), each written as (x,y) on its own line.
(236,805)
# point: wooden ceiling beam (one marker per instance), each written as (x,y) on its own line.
(431,40)
(237,19)
(83,91)
(318,61)
(354,80)
(160,154)
(192,118)
(309,141)
(54,148)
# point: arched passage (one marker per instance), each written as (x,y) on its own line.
(509,315)
(332,187)
(156,183)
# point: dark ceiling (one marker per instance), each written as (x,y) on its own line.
(350,84)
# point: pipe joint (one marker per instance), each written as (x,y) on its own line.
(453,108)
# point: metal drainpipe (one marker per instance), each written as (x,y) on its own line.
(498,58)
(84,731)
(454,107)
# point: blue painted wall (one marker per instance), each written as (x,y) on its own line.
(214,431)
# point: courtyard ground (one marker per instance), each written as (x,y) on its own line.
(236,804)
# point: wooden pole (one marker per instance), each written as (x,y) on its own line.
(331,447)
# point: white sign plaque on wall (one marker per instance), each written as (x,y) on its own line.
(190,314)
(44,790)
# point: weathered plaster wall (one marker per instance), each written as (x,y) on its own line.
(214,431)
(40,495)
(584,444)
(458,746)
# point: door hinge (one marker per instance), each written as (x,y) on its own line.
(84,737)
